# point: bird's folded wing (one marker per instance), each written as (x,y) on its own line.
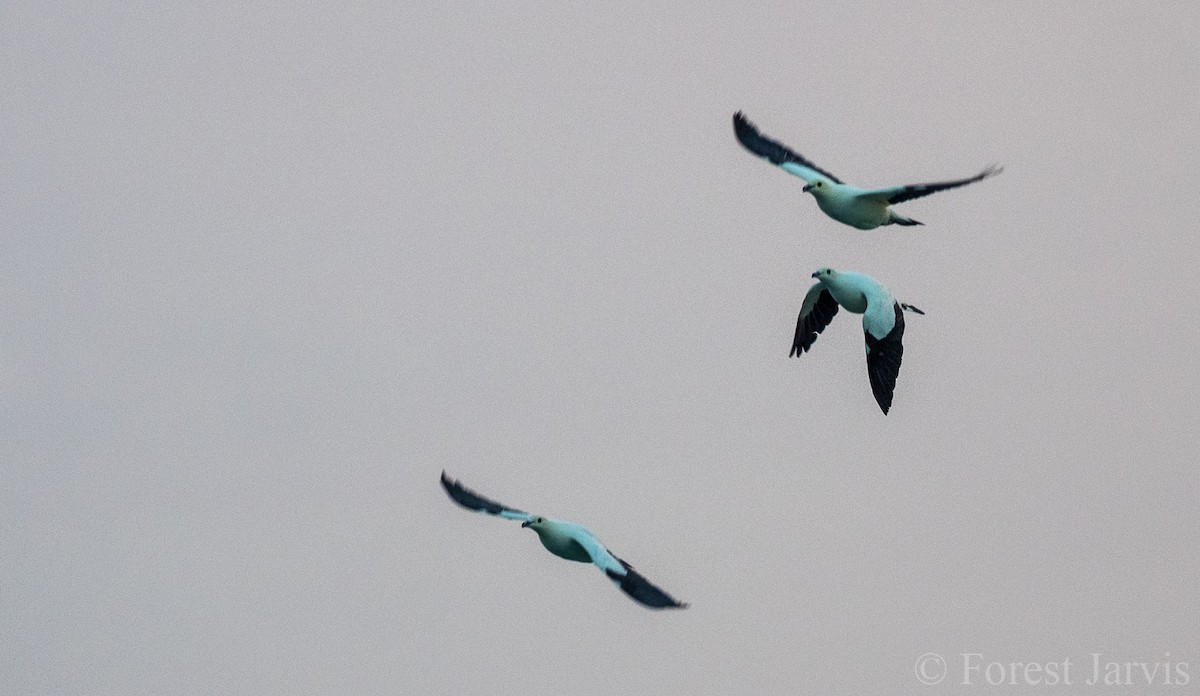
(473,501)
(907,192)
(776,153)
(885,350)
(815,314)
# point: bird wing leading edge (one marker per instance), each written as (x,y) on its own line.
(815,314)
(473,501)
(907,192)
(629,580)
(883,358)
(776,153)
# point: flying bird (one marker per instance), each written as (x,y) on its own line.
(883,323)
(570,541)
(861,208)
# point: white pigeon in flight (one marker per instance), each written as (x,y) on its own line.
(570,541)
(883,323)
(861,208)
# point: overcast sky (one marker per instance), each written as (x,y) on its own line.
(266,271)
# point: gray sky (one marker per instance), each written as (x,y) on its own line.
(266,272)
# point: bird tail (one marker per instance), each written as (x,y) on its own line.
(896,219)
(910,308)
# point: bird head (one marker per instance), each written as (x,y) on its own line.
(824,274)
(817,187)
(534,523)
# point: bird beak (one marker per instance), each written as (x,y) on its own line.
(525,524)
(814,275)
(807,188)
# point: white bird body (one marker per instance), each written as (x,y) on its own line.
(883,323)
(561,538)
(847,204)
(855,293)
(864,209)
(570,541)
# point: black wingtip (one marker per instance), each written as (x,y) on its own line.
(883,398)
(884,356)
(470,499)
(457,492)
(642,590)
(810,325)
(746,132)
